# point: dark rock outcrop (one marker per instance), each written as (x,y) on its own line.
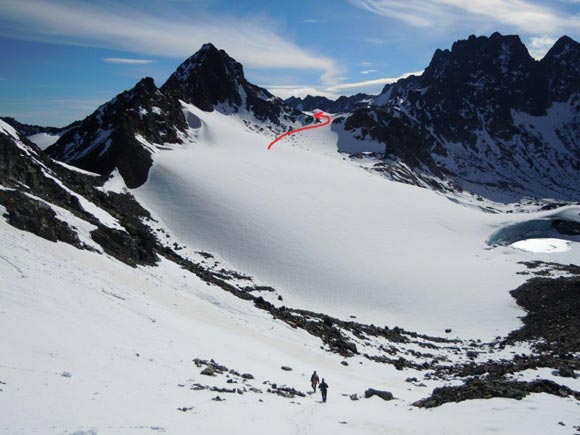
(487,389)
(34,216)
(385,395)
(120,134)
(35,184)
(553,313)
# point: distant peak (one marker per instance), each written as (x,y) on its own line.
(564,47)
(565,41)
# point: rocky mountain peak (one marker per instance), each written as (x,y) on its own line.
(496,57)
(564,48)
(562,68)
(206,79)
(123,133)
(484,110)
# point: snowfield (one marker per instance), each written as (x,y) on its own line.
(334,238)
(92,346)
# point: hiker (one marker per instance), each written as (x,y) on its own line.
(323,388)
(314,380)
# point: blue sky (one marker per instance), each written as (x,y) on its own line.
(63,58)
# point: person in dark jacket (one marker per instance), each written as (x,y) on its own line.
(314,380)
(323,389)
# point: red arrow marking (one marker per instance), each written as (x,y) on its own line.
(317,115)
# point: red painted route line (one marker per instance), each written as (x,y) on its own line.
(317,115)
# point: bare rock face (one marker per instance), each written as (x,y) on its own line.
(119,134)
(486,116)
(212,80)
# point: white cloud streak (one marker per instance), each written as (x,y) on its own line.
(333,92)
(127,61)
(370,83)
(314,21)
(252,41)
(299,91)
(520,15)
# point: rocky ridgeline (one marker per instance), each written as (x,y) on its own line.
(342,104)
(29,130)
(123,133)
(484,116)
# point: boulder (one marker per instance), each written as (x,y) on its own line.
(566,372)
(385,395)
(208,371)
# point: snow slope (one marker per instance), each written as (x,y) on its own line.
(334,238)
(92,346)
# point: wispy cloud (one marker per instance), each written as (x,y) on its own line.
(127,61)
(253,41)
(369,83)
(368,71)
(301,91)
(332,92)
(374,41)
(315,21)
(521,15)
